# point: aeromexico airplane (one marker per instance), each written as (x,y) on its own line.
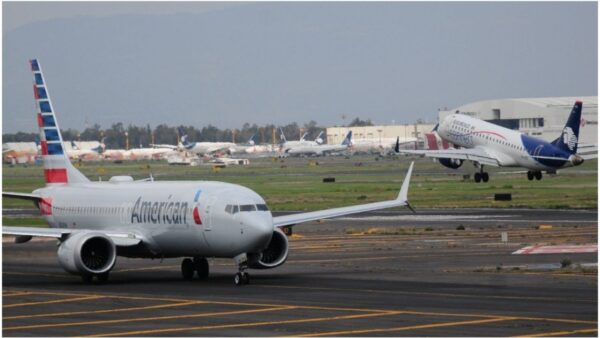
(97,221)
(485,143)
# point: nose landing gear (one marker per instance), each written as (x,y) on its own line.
(242,277)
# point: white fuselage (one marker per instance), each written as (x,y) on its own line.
(187,218)
(505,144)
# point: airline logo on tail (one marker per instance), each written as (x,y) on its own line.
(569,138)
(50,140)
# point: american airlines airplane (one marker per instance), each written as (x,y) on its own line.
(485,143)
(97,221)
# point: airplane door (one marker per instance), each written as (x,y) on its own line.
(208,211)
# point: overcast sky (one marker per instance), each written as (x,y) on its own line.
(230,63)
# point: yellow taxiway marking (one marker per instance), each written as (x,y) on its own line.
(551,299)
(238,325)
(145,319)
(561,333)
(77,299)
(406,328)
(14,294)
(137,308)
(36,274)
(151,268)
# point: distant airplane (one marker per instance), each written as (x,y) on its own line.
(321,149)
(485,143)
(198,148)
(19,152)
(96,221)
(91,151)
(286,145)
(383,145)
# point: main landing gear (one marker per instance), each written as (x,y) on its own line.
(198,265)
(481,175)
(534,174)
(89,278)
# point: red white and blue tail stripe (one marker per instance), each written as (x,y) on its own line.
(57,167)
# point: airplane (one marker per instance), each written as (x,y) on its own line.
(384,145)
(321,149)
(198,148)
(19,152)
(95,222)
(487,144)
(83,150)
(286,145)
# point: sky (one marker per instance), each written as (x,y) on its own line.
(229,63)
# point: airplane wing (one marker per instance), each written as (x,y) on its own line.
(22,196)
(470,154)
(401,200)
(119,238)
(164,146)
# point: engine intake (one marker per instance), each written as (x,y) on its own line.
(451,163)
(87,253)
(274,255)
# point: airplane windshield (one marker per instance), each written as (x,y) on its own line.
(247,207)
(262,207)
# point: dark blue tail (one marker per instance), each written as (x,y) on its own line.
(570,135)
(348,139)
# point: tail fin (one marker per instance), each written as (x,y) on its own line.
(319,138)
(183,137)
(348,139)
(281,136)
(57,167)
(251,139)
(570,135)
(303,137)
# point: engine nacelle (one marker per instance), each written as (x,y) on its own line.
(87,253)
(274,255)
(451,163)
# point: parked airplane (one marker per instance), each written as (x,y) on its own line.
(485,143)
(96,221)
(198,148)
(384,145)
(88,151)
(286,145)
(321,149)
(19,152)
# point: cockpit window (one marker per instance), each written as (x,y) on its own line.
(231,209)
(247,207)
(262,207)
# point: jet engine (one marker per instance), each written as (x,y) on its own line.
(451,163)
(274,255)
(87,253)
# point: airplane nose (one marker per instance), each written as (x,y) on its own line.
(259,231)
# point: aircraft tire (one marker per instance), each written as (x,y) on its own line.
(201,267)
(187,269)
(477,177)
(237,279)
(538,175)
(485,177)
(245,278)
(530,175)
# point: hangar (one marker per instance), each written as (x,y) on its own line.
(539,117)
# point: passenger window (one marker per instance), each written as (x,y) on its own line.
(262,207)
(235,209)
(247,207)
(229,208)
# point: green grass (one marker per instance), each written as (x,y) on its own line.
(24,221)
(293,184)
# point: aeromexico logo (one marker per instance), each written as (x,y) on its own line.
(569,138)
(159,212)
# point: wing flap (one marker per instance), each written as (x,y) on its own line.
(119,238)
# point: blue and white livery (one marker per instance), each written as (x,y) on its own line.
(485,143)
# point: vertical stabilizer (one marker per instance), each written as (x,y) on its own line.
(348,139)
(570,135)
(57,167)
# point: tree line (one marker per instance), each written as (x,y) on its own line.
(118,136)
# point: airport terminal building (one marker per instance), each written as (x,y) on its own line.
(335,135)
(539,117)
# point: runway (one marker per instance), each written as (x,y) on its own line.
(378,274)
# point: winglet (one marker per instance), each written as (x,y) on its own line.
(403,195)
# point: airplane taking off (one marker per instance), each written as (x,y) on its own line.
(485,143)
(321,149)
(97,221)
